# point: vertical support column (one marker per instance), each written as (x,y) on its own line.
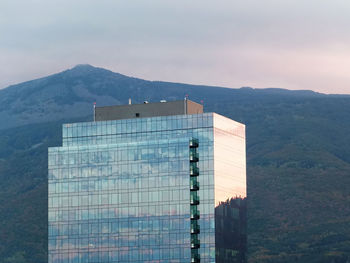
(194,187)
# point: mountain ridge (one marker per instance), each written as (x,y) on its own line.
(54,96)
(80,69)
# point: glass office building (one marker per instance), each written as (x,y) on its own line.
(150,189)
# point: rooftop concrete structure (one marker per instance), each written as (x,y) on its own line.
(163,108)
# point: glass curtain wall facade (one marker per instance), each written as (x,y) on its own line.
(147,190)
(230,191)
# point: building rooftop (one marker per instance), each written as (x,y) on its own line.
(162,108)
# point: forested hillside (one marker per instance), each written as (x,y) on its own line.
(298,152)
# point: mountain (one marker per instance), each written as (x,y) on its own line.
(298,153)
(72,93)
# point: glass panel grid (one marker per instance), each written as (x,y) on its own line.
(119,191)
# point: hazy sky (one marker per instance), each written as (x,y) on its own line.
(293,44)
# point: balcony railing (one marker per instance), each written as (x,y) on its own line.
(195,228)
(194,184)
(195,258)
(194,198)
(194,212)
(195,243)
(193,143)
(194,157)
(194,171)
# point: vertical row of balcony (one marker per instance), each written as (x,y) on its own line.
(194,187)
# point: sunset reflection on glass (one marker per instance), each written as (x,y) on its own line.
(230,190)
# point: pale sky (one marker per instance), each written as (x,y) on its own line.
(292,44)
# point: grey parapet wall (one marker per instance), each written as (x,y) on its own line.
(144,110)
